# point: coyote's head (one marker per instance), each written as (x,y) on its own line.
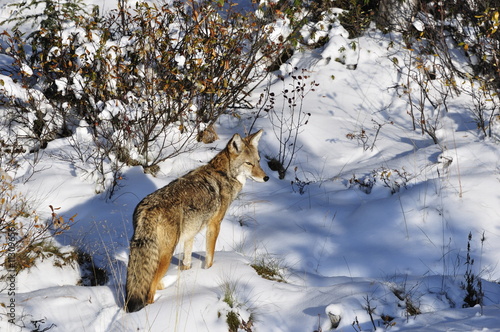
(244,158)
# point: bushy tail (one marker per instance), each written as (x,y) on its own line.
(142,266)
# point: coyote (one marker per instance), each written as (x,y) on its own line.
(178,211)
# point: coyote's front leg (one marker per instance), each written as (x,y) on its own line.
(213,230)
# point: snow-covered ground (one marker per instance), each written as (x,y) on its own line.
(344,248)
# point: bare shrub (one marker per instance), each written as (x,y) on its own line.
(24,238)
(288,117)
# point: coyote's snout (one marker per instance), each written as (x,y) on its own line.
(178,211)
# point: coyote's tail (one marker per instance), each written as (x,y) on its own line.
(142,266)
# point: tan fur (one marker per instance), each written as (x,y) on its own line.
(180,210)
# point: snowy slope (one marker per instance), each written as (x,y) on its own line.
(343,247)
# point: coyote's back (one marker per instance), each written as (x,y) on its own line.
(178,211)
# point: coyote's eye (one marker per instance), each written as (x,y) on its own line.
(249,163)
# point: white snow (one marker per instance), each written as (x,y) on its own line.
(340,249)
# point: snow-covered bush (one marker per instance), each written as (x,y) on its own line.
(300,25)
(146,82)
(453,49)
(238,315)
(165,74)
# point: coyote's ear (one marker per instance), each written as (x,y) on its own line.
(254,138)
(235,144)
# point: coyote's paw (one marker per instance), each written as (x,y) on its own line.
(185,267)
